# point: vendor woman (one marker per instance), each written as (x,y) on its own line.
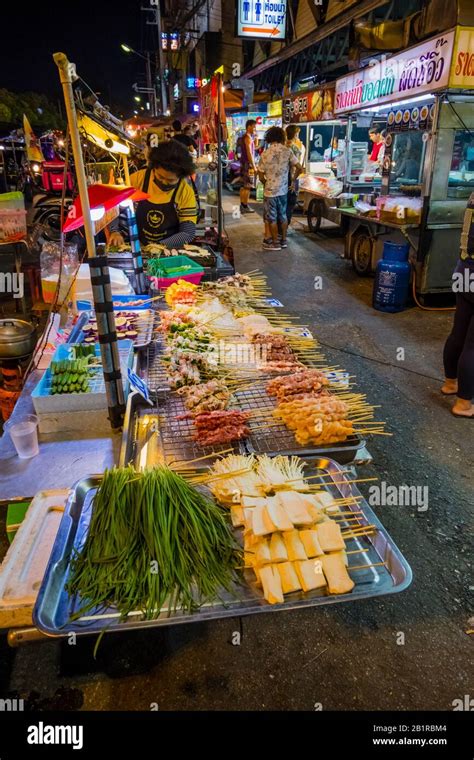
(170,213)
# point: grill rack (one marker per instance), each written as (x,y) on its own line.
(177,435)
(278,439)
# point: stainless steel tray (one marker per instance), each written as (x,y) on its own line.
(278,439)
(151,434)
(144,329)
(153,370)
(53,609)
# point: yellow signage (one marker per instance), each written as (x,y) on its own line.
(275,108)
(462,65)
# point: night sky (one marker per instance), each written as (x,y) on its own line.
(89,33)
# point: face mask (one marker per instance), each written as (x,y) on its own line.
(163,186)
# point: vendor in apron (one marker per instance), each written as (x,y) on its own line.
(170,213)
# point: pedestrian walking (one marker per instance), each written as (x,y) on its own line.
(246,148)
(278,167)
(297,147)
(459,349)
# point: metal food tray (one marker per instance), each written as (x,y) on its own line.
(154,372)
(278,439)
(152,434)
(144,327)
(54,609)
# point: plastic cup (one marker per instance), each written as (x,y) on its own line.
(24,435)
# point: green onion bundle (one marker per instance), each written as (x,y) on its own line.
(152,539)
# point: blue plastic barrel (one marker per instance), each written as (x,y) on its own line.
(392,278)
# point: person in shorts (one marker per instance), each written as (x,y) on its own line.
(277,164)
(246,149)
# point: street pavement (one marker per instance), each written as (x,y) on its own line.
(408,651)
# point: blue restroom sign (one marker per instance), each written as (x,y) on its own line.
(261,18)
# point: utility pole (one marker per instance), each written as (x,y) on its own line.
(156,10)
(151,87)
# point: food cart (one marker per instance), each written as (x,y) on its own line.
(335,153)
(424,97)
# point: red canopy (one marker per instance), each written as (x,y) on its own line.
(107,196)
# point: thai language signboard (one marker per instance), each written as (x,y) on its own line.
(315,105)
(261,18)
(413,72)
(462,69)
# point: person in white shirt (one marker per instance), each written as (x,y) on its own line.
(276,164)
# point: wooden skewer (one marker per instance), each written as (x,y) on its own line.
(357,551)
(364,567)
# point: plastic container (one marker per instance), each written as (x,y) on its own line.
(12,217)
(392,278)
(167,276)
(46,402)
(120,302)
(24,435)
(50,267)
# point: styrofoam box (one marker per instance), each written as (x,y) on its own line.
(44,401)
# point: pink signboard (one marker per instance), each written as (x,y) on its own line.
(413,72)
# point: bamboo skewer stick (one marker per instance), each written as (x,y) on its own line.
(357,551)
(364,567)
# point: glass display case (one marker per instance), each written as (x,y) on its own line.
(461,172)
(407,162)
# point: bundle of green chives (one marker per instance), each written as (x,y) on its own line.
(153,539)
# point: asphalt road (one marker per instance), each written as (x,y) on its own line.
(409,651)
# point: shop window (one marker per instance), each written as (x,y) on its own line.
(461,173)
(408,153)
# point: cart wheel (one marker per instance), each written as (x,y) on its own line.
(315,215)
(362,254)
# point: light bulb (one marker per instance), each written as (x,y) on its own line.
(97,213)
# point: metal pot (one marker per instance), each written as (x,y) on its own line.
(17,338)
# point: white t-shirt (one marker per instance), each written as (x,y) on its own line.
(275,163)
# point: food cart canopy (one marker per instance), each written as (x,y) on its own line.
(98,135)
(106,196)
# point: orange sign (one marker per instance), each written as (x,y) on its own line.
(462,67)
(316,105)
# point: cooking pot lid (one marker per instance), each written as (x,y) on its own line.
(15,331)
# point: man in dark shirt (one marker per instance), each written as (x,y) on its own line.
(184,137)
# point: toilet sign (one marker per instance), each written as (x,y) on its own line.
(261,19)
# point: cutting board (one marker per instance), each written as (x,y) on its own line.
(22,570)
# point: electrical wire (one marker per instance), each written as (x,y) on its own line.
(428,308)
(377,361)
(459,117)
(43,341)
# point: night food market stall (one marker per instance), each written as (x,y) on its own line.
(245,436)
(197,442)
(425,99)
(336,154)
(229,426)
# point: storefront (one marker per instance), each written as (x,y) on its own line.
(423,99)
